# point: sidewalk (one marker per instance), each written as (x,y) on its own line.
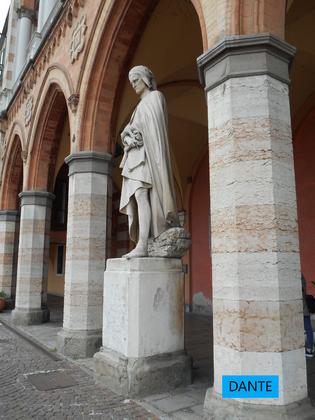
(182,403)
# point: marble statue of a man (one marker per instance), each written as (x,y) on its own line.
(147,195)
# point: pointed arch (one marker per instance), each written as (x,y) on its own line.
(12,175)
(44,146)
(50,112)
(56,77)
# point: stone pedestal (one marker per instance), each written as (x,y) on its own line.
(89,181)
(143,327)
(32,271)
(257,299)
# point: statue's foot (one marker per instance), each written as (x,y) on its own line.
(138,252)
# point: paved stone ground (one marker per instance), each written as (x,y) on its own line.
(182,403)
(20,400)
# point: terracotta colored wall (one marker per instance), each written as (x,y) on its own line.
(55,281)
(304,159)
(200,252)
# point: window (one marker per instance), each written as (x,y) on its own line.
(60,204)
(60,260)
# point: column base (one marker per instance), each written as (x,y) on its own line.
(218,408)
(142,376)
(30,316)
(79,344)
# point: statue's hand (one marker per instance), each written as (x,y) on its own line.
(131,142)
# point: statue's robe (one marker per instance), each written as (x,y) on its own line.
(149,167)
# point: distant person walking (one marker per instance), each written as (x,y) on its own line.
(307,322)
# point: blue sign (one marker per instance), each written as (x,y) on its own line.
(249,386)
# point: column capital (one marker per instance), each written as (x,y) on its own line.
(87,162)
(9,215)
(25,12)
(38,198)
(244,56)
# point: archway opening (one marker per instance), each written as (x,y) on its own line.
(13,182)
(49,173)
(299,26)
(177,77)
(12,186)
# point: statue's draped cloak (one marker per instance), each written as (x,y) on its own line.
(149,167)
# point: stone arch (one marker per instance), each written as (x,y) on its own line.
(44,143)
(57,76)
(118,37)
(12,175)
(17,129)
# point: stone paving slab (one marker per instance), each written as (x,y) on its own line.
(173,403)
(54,379)
(181,403)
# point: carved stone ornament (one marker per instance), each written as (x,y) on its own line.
(24,155)
(28,111)
(3,145)
(73,102)
(78,39)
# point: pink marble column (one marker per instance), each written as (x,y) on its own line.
(257,307)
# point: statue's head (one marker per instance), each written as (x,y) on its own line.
(144,74)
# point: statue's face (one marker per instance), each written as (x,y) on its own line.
(138,84)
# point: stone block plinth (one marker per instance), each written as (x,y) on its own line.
(30,316)
(143,326)
(78,344)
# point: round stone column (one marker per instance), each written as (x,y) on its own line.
(89,187)
(257,307)
(32,271)
(24,37)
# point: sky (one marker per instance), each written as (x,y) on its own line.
(4,7)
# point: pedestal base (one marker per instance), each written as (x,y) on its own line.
(142,376)
(218,408)
(29,316)
(143,326)
(79,344)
